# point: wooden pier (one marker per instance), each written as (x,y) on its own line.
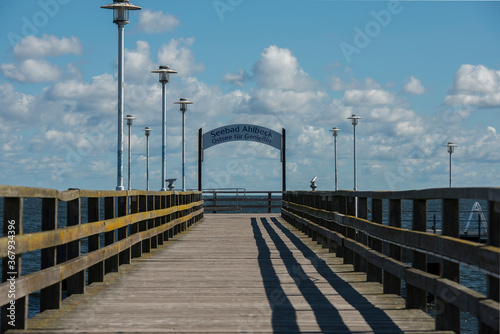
(235,273)
(140,262)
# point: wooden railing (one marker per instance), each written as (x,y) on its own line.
(375,248)
(118,226)
(240,200)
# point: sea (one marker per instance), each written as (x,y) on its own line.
(469,277)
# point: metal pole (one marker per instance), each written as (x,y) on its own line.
(163,137)
(183,161)
(355,176)
(336,182)
(121,39)
(450,168)
(129,127)
(147,163)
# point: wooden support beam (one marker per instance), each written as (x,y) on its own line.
(448,315)
(417,298)
(75,283)
(50,297)
(392,284)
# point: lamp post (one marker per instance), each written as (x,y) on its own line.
(147,130)
(355,119)
(451,149)
(129,119)
(335,131)
(183,105)
(120,17)
(164,73)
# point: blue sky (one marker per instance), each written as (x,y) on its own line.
(419,74)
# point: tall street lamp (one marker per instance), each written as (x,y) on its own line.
(147,130)
(164,73)
(130,120)
(451,149)
(120,17)
(183,105)
(355,119)
(335,131)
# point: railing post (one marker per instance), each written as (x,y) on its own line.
(373,273)
(448,315)
(75,283)
(269,202)
(13,222)
(417,298)
(124,256)
(492,283)
(134,228)
(349,233)
(392,284)
(110,264)
(143,225)
(360,263)
(96,272)
(159,204)
(151,222)
(50,297)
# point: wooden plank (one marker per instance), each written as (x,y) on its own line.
(234,273)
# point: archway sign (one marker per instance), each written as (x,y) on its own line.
(241,132)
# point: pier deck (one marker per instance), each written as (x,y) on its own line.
(235,273)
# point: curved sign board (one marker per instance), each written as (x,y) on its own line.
(245,132)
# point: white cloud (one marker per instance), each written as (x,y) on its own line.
(31,70)
(475,85)
(178,55)
(414,86)
(368,97)
(32,47)
(156,22)
(138,63)
(14,105)
(279,69)
(237,79)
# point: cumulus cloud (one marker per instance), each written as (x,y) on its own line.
(278,68)
(237,79)
(138,62)
(15,105)
(368,97)
(32,47)
(178,55)
(414,86)
(156,22)
(475,85)
(31,70)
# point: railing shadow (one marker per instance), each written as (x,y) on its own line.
(284,318)
(327,316)
(376,318)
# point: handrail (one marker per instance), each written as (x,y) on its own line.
(134,222)
(329,218)
(230,203)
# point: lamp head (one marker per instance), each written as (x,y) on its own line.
(120,10)
(164,72)
(183,104)
(335,131)
(129,119)
(354,118)
(451,147)
(147,130)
